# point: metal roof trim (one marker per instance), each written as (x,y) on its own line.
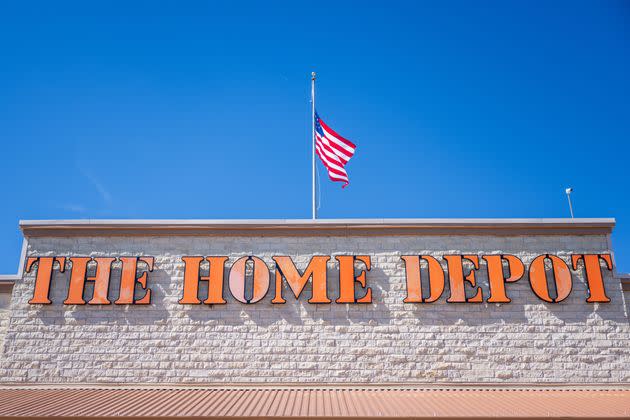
(332,227)
(307,403)
(469,386)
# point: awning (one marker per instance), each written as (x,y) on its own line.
(303,402)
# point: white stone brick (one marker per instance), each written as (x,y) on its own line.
(386,341)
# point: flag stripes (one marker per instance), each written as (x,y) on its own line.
(333,150)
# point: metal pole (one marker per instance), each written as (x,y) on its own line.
(569,191)
(313,140)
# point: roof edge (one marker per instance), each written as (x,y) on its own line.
(342,227)
(473,386)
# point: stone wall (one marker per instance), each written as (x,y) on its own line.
(5,311)
(387,341)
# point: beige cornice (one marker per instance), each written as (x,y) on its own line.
(320,227)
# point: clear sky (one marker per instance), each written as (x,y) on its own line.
(201,110)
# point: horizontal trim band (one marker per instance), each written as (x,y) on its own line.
(321,227)
(382,386)
(257,403)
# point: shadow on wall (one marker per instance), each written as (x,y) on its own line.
(59,314)
(294,311)
(387,307)
(525,307)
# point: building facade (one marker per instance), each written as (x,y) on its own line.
(509,303)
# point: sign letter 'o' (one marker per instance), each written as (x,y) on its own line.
(561,277)
(237,279)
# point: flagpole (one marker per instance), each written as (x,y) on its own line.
(313,141)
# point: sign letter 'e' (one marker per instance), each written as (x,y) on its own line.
(414,282)
(456,278)
(44,276)
(597,292)
(316,268)
(347,279)
(561,277)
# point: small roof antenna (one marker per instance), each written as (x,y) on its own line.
(569,191)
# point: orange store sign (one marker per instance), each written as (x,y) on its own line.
(249,278)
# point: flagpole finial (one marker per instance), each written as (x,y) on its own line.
(313,76)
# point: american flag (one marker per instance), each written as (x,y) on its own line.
(333,150)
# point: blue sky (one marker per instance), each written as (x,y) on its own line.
(201,110)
